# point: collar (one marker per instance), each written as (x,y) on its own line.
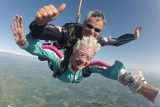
(70,68)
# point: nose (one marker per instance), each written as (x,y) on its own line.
(91,31)
(83,59)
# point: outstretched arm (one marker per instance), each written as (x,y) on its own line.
(122,39)
(31,45)
(116,72)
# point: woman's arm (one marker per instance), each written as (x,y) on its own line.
(28,43)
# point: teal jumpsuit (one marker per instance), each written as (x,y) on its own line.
(34,47)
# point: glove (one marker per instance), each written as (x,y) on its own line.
(135,80)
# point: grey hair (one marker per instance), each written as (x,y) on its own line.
(96,14)
(89,42)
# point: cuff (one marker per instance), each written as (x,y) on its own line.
(25,45)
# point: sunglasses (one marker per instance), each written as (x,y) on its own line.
(89,26)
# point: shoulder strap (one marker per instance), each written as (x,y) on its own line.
(74,31)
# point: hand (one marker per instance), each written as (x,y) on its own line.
(135,80)
(48,13)
(138,31)
(18,30)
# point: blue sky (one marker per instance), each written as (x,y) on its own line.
(122,17)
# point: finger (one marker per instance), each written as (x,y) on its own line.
(140,27)
(51,12)
(14,24)
(21,29)
(14,33)
(21,22)
(42,15)
(39,17)
(61,7)
(14,28)
(17,21)
(139,30)
(54,11)
(48,10)
(42,12)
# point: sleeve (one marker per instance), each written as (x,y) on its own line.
(112,72)
(123,39)
(45,32)
(157,100)
(34,48)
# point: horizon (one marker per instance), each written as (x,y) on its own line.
(36,60)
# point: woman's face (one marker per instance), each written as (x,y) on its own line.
(82,57)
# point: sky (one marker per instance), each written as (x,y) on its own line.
(122,17)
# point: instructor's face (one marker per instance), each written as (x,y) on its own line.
(93,27)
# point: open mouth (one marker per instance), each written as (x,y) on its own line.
(80,63)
